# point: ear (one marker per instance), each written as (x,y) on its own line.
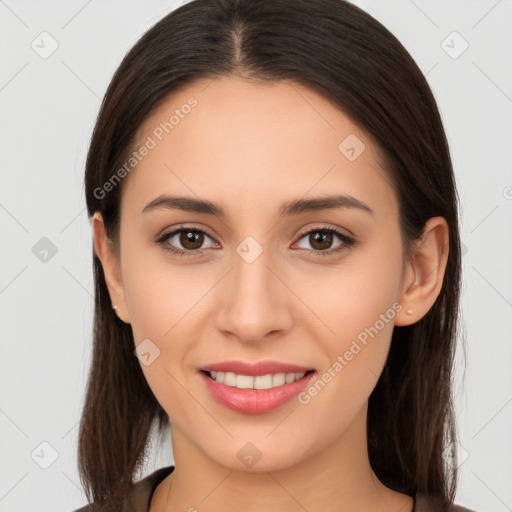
(424,273)
(104,249)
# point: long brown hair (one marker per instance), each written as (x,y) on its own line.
(339,51)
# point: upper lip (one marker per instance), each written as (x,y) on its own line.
(255,369)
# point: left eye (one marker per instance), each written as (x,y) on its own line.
(323,237)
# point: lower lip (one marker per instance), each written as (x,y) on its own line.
(255,401)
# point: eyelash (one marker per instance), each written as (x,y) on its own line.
(348,242)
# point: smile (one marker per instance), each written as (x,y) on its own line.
(241,392)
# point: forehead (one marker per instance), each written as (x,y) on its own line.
(229,138)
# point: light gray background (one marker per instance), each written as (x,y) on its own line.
(47,110)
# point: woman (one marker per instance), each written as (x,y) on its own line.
(277,268)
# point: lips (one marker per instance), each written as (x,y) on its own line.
(255,369)
(254,401)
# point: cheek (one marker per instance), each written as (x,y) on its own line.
(165,307)
(358,298)
(356,355)
(160,324)
(161,295)
(359,307)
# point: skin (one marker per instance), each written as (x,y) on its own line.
(251,147)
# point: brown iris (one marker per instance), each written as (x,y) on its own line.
(193,237)
(321,240)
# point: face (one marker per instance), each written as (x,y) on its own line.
(317,288)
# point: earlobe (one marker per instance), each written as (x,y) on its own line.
(424,273)
(111,266)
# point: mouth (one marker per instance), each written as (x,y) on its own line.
(255,394)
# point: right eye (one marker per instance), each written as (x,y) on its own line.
(191,239)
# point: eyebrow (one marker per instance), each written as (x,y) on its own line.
(296,207)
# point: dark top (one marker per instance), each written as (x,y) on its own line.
(139,496)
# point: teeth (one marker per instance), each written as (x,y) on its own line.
(260,382)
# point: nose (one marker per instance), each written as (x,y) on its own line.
(253,301)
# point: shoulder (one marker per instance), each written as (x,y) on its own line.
(423,503)
(458,508)
(88,508)
(139,496)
